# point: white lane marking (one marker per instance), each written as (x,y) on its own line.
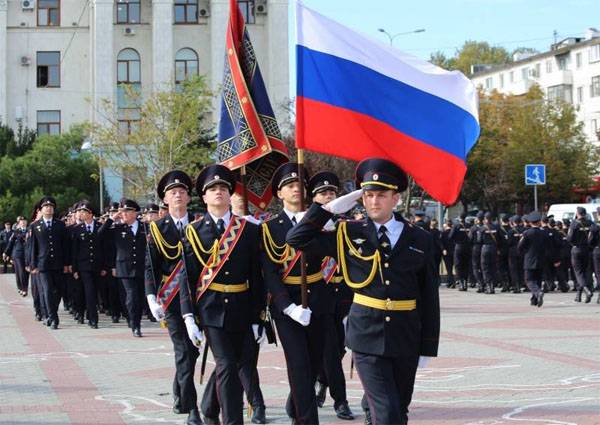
(129,403)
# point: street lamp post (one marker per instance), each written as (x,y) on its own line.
(392,37)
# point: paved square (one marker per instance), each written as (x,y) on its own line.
(501,362)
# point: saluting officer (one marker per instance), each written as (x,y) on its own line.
(301,330)
(164,256)
(491,241)
(532,246)
(394,318)
(476,250)
(15,252)
(515,259)
(128,240)
(88,259)
(225,285)
(459,235)
(50,256)
(323,188)
(578,236)
(448,253)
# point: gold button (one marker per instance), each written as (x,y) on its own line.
(226,300)
(387,318)
(386,265)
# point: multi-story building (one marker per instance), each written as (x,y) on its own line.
(59,59)
(570,71)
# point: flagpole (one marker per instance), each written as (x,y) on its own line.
(244,189)
(303,286)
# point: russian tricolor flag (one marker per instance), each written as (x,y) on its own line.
(359,98)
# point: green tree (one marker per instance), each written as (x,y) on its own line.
(173,131)
(53,166)
(472,53)
(14,145)
(517,130)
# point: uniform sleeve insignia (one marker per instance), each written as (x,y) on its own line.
(412,248)
(358,241)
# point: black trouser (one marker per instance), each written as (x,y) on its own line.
(515,264)
(226,348)
(533,278)
(388,383)
(134,293)
(461,261)
(449,264)
(303,349)
(503,271)
(185,359)
(90,290)
(116,296)
(331,372)
(77,294)
(580,259)
(52,282)
(476,263)
(36,294)
(550,274)
(248,377)
(21,274)
(596,264)
(489,261)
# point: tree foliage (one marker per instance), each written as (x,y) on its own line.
(173,131)
(519,130)
(52,166)
(471,53)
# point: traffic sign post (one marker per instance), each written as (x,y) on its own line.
(535,175)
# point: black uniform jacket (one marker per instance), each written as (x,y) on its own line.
(16,244)
(514,235)
(533,246)
(125,251)
(320,300)
(578,234)
(459,234)
(409,273)
(228,310)
(157,265)
(87,249)
(49,249)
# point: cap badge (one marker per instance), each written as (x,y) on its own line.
(216,177)
(325,182)
(375,177)
(294,175)
(176,180)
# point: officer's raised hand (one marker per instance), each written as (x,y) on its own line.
(343,203)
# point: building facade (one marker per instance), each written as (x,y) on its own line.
(60,59)
(570,71)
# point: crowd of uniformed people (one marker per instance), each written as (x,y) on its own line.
(229,282)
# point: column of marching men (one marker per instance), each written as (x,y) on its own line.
(225,281)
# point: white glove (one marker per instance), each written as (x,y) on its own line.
(329,226)
(345,322)
(194,333)
(299,314)
(155,308)
(423,361)
(343,203)
(260,339)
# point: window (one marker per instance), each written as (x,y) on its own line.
(128,120)
(48,69)
(128,11)
(525,73)
(580,94)
(594,53)
(578,60)
(48,13)
(129,89)
(549,66)
(186,65)
(48,122)
(128,66)
(489,83)
(538,70)
(562,62)
(561,92)
(595,87)
(247,8)
(512,76)
(186,11)
(501,80)
(594,125)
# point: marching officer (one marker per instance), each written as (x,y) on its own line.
(550,271)
(459,235)
(15,252)
(322,188)
(164,257)
(565,258)
(39,305)
(50,256)
(491,241)
(515,259)
(150,212)
(503,268)
(88,259)
(301,330)
(225,290)
(448,253)
(5,236)
(578,236)
(128,241)
(594,238)
(476,250)
(394,318)
(532,246)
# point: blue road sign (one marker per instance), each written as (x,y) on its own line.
(535,174)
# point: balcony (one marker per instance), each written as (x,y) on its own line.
(557,78)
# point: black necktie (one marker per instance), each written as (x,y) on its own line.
(180,228)
(294,222)
(220,227)
(49,225)
(89,229)
(131,229)
(384,242)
